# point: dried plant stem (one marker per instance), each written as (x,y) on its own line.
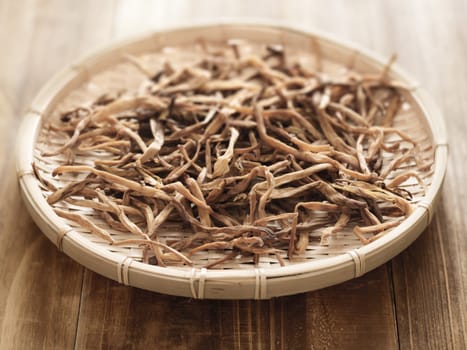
(250,153)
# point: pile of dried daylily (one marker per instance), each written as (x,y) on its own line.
(245,150)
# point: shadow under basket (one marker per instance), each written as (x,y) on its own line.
(320,266)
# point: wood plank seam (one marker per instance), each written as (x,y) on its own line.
(446,281)
(394,301)
(81,301)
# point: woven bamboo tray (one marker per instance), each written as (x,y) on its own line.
(320,266)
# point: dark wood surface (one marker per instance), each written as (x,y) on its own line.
(416,301)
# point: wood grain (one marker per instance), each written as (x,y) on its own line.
(343,316)
(40,288)
(35,312)
(116,317)
(418,301)
(136,319)
(430,277)
(430,306)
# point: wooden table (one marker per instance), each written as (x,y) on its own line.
(418,300)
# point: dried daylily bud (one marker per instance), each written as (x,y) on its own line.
(251,153)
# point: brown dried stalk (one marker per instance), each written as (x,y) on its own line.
(251,152)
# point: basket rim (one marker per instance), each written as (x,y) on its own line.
(43,212)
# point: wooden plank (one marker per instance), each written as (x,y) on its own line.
(430,278)
(430,297)
(355,315)
(64,31)
(39,294)
(341,317)
(39,287)
(117,317)
(137,17)
(16,17)
(287,327)
(36,309)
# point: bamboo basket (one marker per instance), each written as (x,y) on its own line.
(321,266)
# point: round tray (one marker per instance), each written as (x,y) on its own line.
(322,266)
